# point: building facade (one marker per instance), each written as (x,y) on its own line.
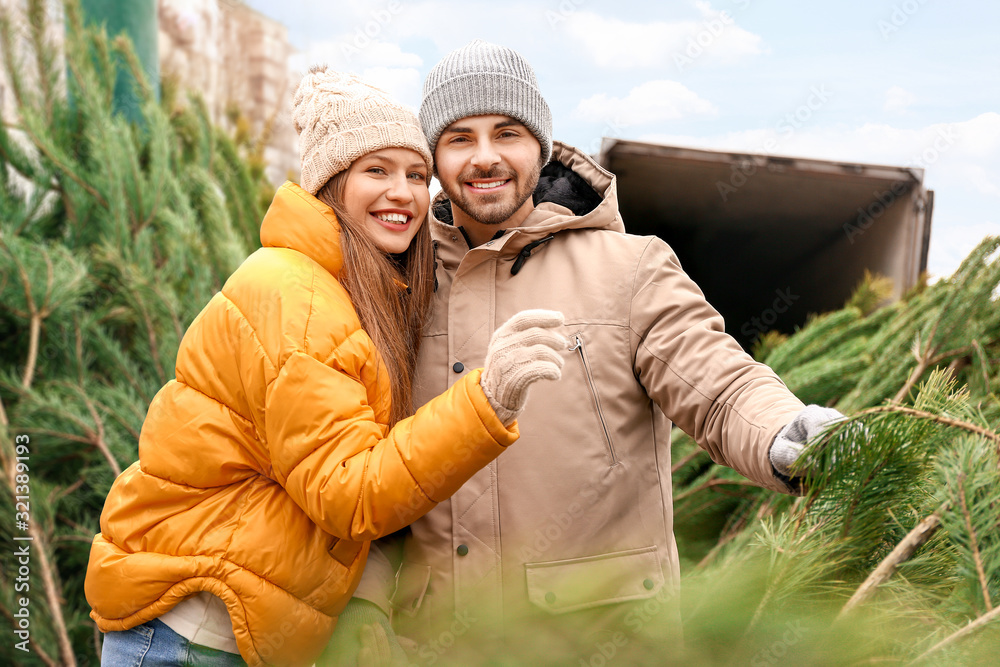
(234,57)
(237,60)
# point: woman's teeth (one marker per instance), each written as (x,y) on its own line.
(394,218)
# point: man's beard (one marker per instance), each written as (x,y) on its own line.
(489,209)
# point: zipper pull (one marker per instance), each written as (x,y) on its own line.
(577,343)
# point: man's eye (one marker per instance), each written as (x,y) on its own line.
(455,140)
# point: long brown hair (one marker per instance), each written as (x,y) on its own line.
(392,316)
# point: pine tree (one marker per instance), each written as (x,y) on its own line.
(113,236)
(894,553)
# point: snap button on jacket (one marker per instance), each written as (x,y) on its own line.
(266,466)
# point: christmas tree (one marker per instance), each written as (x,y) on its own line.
(113,235)
(893,553)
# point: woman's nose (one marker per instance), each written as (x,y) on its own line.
(399,189)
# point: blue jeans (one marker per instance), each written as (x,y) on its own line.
(153,644)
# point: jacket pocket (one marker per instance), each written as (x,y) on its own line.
(581,583)
(581,351)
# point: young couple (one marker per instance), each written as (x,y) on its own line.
(288,441)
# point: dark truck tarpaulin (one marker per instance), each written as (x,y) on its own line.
(772,239)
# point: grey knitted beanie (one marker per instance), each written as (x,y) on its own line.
(340,118)
(481,79)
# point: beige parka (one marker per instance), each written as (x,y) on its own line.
(578,518)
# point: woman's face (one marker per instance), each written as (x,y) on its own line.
(386,191)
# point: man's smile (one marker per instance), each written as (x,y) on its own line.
(487,186)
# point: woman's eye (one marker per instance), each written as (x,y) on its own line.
(418,176)
(376,170)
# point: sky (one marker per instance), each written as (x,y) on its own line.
(912,83)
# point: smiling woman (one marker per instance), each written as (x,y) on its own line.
(288,440)
(386,192)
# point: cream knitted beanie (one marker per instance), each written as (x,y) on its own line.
(482,79)
(340,118)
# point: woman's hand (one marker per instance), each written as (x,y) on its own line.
(380,647)
(522,351)
(363,638)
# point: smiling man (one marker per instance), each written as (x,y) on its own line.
(489,167)
(561,552)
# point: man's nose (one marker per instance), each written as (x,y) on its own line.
(486,156)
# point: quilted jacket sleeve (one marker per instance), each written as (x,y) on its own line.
(329,453)
(700,377)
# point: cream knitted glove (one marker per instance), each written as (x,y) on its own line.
(524,349)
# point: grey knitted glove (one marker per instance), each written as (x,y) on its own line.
(791,440)
(523,350)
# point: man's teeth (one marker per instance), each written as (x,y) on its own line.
(397,218)
(487,186)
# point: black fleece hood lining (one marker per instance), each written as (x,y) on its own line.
(558,184)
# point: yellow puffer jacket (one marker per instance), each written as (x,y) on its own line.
(266,466)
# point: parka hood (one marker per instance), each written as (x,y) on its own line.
(299,221)
(574,192)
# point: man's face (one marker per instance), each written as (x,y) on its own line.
(488,166)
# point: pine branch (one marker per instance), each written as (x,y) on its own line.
(42,655)
(43,53)
(98,440)
(978,430)
(915,539)
(64,168)
(687,459)
(974,542)
(931,357)
(984,365)
(10,56)
(34,316)
(34,335)
(849,514)
(971,627)
(71,437)
(154,350)
(49,581)
(52,595)
(712,483)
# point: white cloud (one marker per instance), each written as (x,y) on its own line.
(402,84)
(450,25)
(350,54)
(952,241)
(651,102)
(898,100)
(943,149)
(382,64)
(614,43)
